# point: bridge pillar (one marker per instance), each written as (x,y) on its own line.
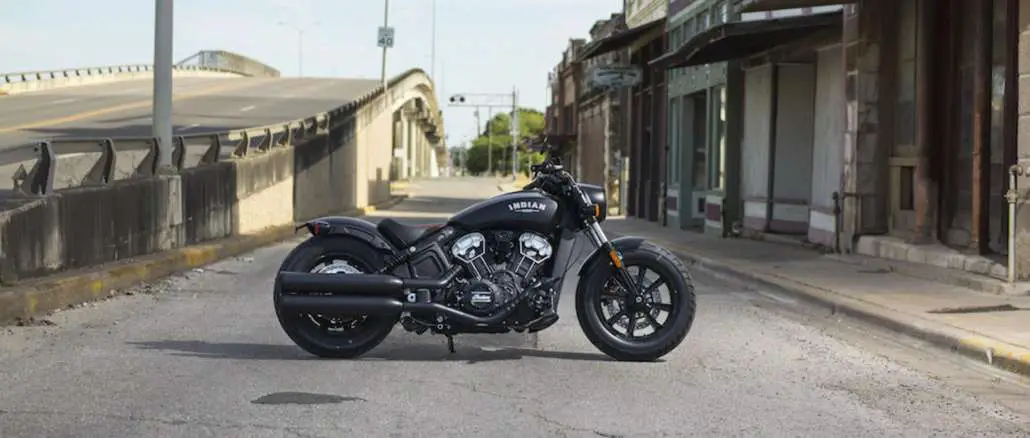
(410,146)
(400,144)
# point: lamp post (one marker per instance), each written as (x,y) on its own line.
(300,43)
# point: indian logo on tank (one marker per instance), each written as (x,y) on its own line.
(526,207)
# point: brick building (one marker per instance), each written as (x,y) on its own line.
(600,120)
(562,120)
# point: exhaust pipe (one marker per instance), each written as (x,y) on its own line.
(341,304)
(371,294)
(359,284)
(346,304)
(363,284)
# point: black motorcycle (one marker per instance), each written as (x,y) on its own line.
(494,267)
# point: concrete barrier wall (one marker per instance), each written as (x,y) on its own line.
(324,173)
(89,226)
(209,202)
(95,79)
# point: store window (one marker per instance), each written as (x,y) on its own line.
(718,143)
(674,141)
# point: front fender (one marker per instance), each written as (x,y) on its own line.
(348,226)
(621,244)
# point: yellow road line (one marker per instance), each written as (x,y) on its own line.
(126,106)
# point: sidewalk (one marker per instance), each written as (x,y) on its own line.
(991,328)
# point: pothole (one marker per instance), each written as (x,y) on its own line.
(303,398)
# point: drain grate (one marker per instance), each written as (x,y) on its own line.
(981,309)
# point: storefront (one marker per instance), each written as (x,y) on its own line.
(643,109)
(760,161)
(697,122)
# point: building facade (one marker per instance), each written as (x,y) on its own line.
(562,120)
(905,151)
(600,120)
(645,106)
(697,121)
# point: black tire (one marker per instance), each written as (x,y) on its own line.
(680,318)
(304,329)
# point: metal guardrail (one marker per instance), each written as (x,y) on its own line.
(40,179)
(210,60)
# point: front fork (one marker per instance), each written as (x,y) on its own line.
(621,274)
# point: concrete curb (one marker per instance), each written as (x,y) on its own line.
(977,346)
(22,303)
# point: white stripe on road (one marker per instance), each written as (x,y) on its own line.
(188,127)
(58,102)
(247,108)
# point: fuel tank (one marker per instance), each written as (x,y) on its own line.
(525,210)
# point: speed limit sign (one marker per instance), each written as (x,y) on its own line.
(385,37)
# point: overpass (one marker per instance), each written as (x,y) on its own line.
(253,152)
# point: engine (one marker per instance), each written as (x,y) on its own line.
(500,267)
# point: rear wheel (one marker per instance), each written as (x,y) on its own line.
(644,326)
(333,336)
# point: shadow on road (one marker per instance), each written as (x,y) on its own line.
(470,354)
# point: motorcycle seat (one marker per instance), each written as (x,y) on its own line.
(400,235)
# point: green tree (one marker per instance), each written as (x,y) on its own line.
(495,142)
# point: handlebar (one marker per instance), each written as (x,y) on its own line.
(549,174)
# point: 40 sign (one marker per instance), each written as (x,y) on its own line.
(385,37)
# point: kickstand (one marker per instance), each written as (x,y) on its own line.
(450,343)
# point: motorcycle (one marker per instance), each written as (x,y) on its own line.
(495,267)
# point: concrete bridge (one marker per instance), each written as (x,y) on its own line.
(254,153)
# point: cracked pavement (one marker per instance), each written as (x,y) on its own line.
(201,354)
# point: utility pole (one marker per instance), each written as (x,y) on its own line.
(490,101)
(164,18)
(489,141)
(514,132)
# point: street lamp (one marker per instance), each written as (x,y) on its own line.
(300,43)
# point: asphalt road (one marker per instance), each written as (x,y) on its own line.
(201,354)
(121,109)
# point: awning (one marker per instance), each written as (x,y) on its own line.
(740,39)
(775,5)
(619,40)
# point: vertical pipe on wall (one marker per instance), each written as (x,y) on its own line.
(924,114)
(980,228)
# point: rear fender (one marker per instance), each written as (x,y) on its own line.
(351,227)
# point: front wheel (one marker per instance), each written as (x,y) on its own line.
(333,336)
(642,327)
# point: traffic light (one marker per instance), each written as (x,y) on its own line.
(458,99)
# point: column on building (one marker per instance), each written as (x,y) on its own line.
(1018,89)
(863,199)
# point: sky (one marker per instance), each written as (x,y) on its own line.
(482,46)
